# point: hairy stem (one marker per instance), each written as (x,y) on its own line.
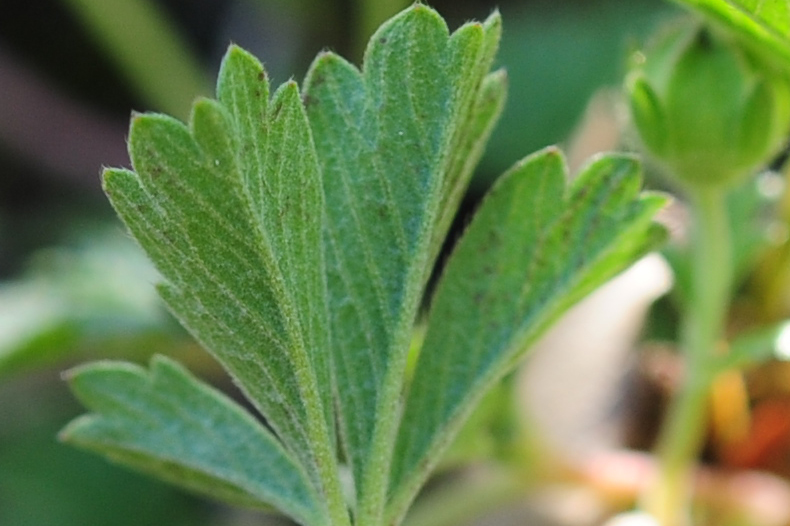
(683,433)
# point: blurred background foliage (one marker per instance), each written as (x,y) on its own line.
(72,285)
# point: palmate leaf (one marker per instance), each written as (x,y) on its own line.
(230,210)
(295,238)
(764,24)
(172,425)
(535,247)
(397,142)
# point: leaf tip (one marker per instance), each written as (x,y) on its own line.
(552,150)
(144,122)
(656,201)
(237,54)
(622,162)
(323,60)
(552,154)
(68,375)
(70,433)
(493,22)
(65,434)
(325,66)
(287,90)
(107,175)
(162,367)
(417,15)
(239,67)
(138,117)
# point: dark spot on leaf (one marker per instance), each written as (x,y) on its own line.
(317,80)
(257,94)
(168,236)
(704,40)
(262,76)
(583,192)
(277,109)
(492,242)
(382,40)
(565,232)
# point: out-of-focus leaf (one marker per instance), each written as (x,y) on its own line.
(148,49)
(757,346)
(763,24)
(72,298)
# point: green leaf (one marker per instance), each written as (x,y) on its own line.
(763,24)
(73,300)
(757,346)
(170,424)
(397,143)
(535,247)
(230,210)
(282,177)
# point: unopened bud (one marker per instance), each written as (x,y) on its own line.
(707,109)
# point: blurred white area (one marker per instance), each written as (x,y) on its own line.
(571,383)
(633,518)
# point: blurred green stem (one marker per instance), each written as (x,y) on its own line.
(148,48)
(683,433)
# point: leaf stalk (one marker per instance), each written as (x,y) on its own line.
(668,498)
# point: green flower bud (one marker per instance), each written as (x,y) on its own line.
(707,109)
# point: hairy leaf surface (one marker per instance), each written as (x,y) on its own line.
(170,424)
(535,247)
(397,142)
(230,210)
(765,24)
(295,237)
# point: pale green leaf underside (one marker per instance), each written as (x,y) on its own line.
(168,423)
(533,249)
(229,210)
(765,24)
(397,142)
